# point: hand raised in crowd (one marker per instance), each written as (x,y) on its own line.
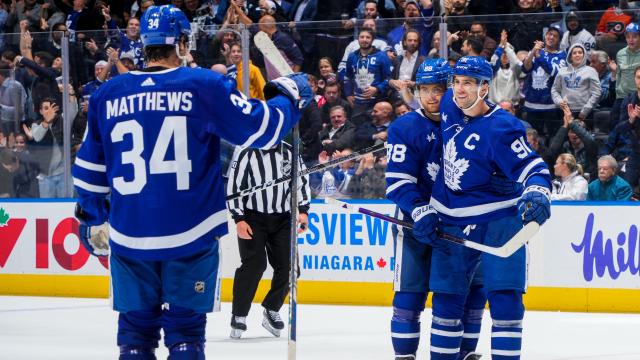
(323,157)
(106,12)
(613,66)
(113,55)
(504,38)
(91,46)
(27,131)
(567,117)
(24,25)
(537,46)
(49,112)
(634,112)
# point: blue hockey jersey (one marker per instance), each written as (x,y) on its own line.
(473,150)
(539,80)
(413,153)
(153,143)
(364,71)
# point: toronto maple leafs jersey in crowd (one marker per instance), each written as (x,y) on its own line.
(537,84)
(153,143)
(413,152)
(473,150)
(364,71)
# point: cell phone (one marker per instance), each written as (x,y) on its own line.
(59,80)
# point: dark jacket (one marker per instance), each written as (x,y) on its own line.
(586,157)
(310,127)
(343,138)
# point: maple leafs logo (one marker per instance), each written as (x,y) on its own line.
(4,218)
(432,169)
(454,168)
(444,117)
(381,263)
(431,137)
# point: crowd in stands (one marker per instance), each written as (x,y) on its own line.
(570,69)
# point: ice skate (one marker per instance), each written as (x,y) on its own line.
(238,326)
(272,322)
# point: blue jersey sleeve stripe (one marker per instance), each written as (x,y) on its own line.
(397,175)
(91,187)
(263,126)
(525,173)
(473,210)
(397,185)
(276,136)
(90,166)
(169,241)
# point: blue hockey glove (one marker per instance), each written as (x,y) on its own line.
(294,86)
(534,205)
(94,238)
(425,221)
(503,185)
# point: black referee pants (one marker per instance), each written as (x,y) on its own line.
(270,241)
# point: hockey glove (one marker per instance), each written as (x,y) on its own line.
(294,86)
(425,221)
(503,185)
(534,204)
(94,238)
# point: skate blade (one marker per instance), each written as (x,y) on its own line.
(236,333)
(265,324)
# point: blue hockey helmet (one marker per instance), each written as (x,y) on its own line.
(163,25)
(476,67)
(632,28)
(433,71)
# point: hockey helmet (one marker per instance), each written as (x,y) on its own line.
(163,25)
(433,71)
(476,67)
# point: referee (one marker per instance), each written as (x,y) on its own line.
(263,223)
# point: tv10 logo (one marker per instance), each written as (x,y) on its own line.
(12,228)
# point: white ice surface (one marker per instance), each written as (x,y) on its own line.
(64,328)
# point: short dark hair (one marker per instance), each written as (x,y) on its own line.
(50,100)
(45,57)
(475,44)
(414,31)
(370,31)
(158,52)
(636,70)
(9,54)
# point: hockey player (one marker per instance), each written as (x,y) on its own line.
(414,153)
(480,139)
(152,143)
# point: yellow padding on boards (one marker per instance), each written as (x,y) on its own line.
(330,292)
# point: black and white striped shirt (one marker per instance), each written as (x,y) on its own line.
(250,167)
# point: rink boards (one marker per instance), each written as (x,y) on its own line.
(586,257)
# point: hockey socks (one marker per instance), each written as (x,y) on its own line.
(472,320)
(446,326)
(405,323)
(507,312)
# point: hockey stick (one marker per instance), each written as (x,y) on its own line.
(318,167)
(273,55)
(516,242)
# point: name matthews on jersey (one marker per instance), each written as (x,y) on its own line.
(150,101)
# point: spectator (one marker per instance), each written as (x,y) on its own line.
(221,45)
(22,175)
(47,150)
(127,41)
(541,66)
(576,34)
(234,70)
(627,60)
(366,78)
(528,26)
(340,134)
(368,181)
(599,60)
(53,43)
(574,139)
(629,129)
(611,29)
(326,73)
(569,185)
(284,43)
(458,16)
(310,126)
(101,73)
(471,46)
(378,42)
(534,141)
(619,144)
(506,73)
(479,30)
(28,10)
(418,17)
(335,181)
(40,79)
(375,131)
(405,66)
(577,85)
(609,186)
(12,101)
(79,17)
(303,34)
(400,108)
(333,97)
